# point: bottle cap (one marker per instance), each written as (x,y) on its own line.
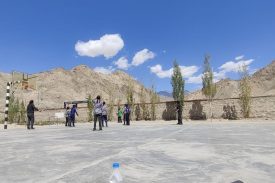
(115,165)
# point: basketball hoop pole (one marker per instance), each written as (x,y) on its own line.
(9,84)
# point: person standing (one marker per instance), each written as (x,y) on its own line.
(127,114)
(124,114)
(67,116)
(97,112)
(30,114)
(72,115)
(119,115)
(104,115)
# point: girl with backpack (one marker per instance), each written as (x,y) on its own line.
(97,112)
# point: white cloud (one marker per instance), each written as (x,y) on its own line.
(157,69)
(235,66)
(122,63)
(187,71)
(219,75)
(142,56)
(108,46)
(239,57)
(104,70)
(194,79)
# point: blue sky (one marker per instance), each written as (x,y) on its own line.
(144,36)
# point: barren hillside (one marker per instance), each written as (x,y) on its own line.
(262,83)
(59,85)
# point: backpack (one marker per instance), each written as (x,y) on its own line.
(98,107)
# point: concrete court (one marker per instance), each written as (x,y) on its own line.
(147,151)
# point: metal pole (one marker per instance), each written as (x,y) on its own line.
(9,84)
(7,105)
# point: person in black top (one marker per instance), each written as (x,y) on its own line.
(30,113)
(127,114)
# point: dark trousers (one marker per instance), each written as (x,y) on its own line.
(124,119)
(127,116)
(119,119)
(30,121)
(99,118)
(68,122)
(72,120)
(104,119)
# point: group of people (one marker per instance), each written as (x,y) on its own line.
(70,116)
(100,114)
(125,113)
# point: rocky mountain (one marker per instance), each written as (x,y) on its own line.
(169,95)
(59,85)
(165,94)
(262,83)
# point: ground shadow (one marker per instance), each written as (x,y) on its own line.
(196,112)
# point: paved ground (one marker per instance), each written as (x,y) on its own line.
(148,152)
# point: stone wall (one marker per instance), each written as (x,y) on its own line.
(261,107)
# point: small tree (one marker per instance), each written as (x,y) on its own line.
(143,104)
(245,92)
(118,103)
(111,108)
(154,98)
(178,90)
(23,113)
(208,87)
(130,97)
(137,112)
(17,109)
(90,106)
(13,110)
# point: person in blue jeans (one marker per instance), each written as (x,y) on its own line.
(72,115)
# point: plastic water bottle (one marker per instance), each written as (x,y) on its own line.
(116,176)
